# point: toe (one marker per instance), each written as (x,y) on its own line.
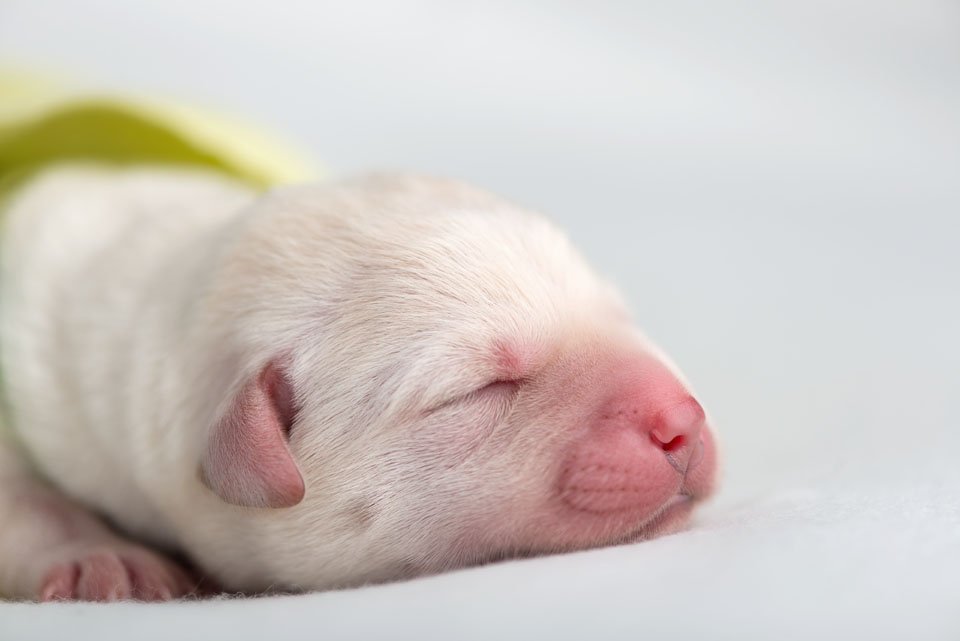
(103,577)
(60,583)
(157,579)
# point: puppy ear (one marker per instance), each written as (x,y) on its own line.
(247,461)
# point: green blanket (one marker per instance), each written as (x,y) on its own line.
(42,122)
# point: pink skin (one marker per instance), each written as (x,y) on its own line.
(645,457)
(113,572)
(248,462)
(635,456)
(638,456)
(65,553)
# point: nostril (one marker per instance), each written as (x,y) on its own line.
(675,426)
(668,446)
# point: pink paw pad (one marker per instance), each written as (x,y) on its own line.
(105,574)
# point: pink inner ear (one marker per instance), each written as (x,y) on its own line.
(247,461)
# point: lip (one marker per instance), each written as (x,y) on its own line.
(674,502)
(670,518)
(691,464)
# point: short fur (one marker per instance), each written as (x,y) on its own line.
(137,304)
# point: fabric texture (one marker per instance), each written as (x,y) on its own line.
(43,122)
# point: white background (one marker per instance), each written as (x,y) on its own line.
(775,186)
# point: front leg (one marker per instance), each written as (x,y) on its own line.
(53,549)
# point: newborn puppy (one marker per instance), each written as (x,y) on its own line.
(321,387)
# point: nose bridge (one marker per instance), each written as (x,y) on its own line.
(652,401)
(677,424)
(647,394)
(643,441)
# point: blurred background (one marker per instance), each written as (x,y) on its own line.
(775,185)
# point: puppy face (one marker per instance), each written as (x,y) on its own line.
(431,378)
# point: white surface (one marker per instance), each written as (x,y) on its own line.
(776,186)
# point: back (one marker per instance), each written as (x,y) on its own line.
(81,248)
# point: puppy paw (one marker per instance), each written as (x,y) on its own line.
(113,573)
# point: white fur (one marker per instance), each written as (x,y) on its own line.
(136,303)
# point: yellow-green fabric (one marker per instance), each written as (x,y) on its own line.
(42,123)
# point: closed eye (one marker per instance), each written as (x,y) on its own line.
(499,387)
(498,390)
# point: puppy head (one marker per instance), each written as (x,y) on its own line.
(419,376)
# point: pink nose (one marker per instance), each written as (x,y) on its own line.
(640,448)
(676,431)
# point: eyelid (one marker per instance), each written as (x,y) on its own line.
(499,386)
(496,387)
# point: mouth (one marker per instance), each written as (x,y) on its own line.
(670,518)
(685,468)
(605,499)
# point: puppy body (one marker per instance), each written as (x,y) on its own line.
(456,385)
